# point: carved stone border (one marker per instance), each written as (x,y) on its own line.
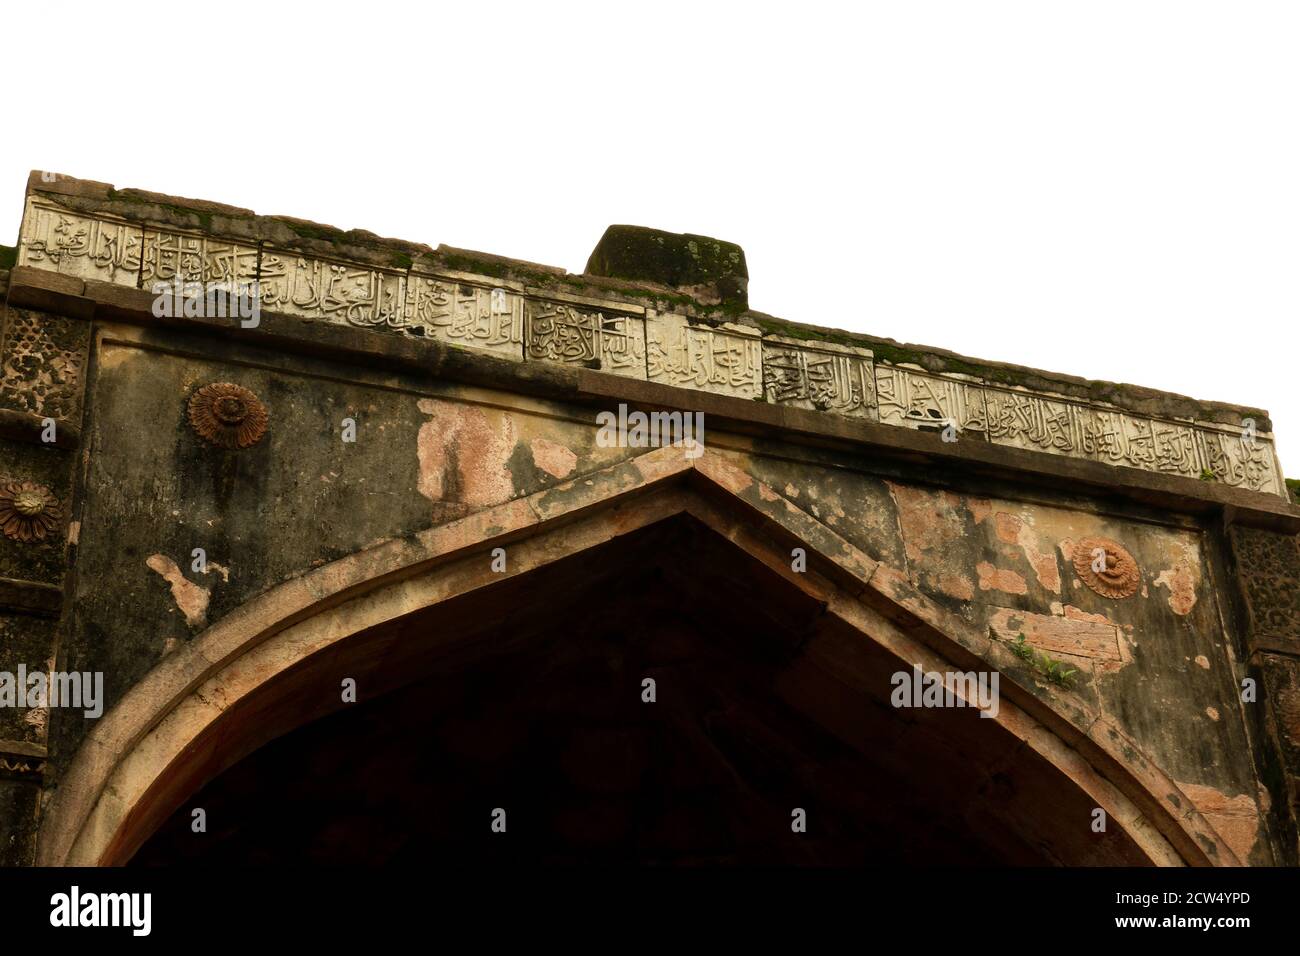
(521,323)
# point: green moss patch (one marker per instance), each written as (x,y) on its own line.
(672,259)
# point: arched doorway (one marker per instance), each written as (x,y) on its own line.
(523,690)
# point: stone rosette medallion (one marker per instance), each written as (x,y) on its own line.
(1119,578)
(28,511)
(227,415)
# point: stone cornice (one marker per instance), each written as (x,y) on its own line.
(81,231)
(436,361)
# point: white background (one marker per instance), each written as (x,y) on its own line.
(1106,189)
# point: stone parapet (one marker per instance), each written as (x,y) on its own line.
(531,313)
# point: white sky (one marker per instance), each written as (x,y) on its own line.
(1106,189)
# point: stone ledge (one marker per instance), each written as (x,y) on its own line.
(27,427)
(133,239)
(21,759)
(31,597)
(760,419)
(238,224)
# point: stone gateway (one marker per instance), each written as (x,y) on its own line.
(419,538)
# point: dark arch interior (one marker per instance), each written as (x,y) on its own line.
(764,704)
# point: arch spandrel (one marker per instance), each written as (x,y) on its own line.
(181,722)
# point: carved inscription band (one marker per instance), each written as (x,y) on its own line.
(622,339)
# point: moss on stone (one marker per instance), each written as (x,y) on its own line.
(1113,393)
(680,260)
(681,273)
(491,267)
(312,230)
(635,252)
(883,349)
(458,262)
(125,195)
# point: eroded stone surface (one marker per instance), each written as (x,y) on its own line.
(75,245)
(191,599)
(821,377)
(335,291)
(1059,635)
(599,339)
(727,360)
(43,364)
(1235,818)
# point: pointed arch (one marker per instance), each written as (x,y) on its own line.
(236,685)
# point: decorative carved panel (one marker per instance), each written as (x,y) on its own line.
(819,376)
(1238,459)
(459,313)
(228,415)
(1107,567)
(29,511)
(563,332)
(1058,426)
(196,258)
(335,291)
(913,397)
(1282,685)
(1026,420)
(43,364)
(727,360)
(1269,567)
(71,244)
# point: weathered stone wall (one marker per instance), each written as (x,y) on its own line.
(42,376)
(469,382)
(1158,661)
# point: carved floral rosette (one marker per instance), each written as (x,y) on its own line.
(1120,576)
(228,415)
(28,511)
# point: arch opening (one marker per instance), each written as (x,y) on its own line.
(800,661)
(536,706)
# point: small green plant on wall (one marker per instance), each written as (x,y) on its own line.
(1054,670)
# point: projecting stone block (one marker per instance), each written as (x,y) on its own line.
(710,270)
